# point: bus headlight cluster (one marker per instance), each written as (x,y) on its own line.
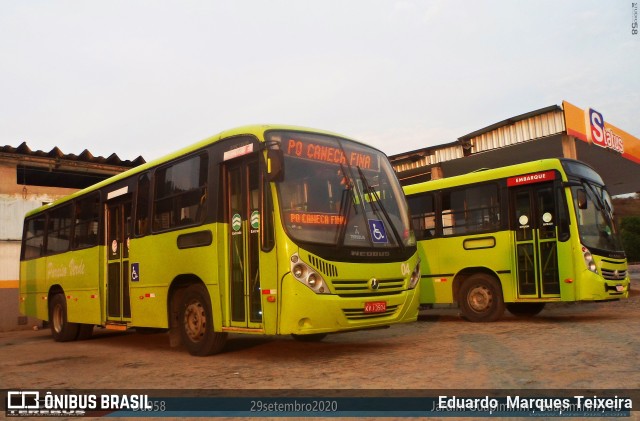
(307,275)
(588,260)
(415,276)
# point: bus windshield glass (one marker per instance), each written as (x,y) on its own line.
(339,192)
(594,213)
(594,209)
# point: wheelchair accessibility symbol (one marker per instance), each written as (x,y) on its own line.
(378,233)
(135,272)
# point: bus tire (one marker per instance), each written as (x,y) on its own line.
(61,329)
(314,337)
(196,323)
(525,309)
(481,298)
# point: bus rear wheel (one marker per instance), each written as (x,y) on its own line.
(61,329)
(196,323)
(525,309)
(481,299)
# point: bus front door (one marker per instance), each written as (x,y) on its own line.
(534,221)
(118,270)
(243,212)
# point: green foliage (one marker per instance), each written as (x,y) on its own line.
(630,230)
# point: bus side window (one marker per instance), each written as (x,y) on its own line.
(181,193)
(453,213)
(59,229)
(33,238)
(423,217)
(267,228)
(564,232)
(471,210)
(87,216)
(142,205)
(483,208)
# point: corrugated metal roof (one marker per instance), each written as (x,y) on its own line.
(524,130)
(513,120)
(84,157)
(536,124)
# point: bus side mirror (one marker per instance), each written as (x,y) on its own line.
(275,165)
(582,199)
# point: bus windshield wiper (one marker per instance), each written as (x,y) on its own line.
(376,202)
(604,208)
(346,201)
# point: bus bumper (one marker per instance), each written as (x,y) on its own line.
(305,312)
(593,287)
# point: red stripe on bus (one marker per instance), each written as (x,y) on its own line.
(538,177)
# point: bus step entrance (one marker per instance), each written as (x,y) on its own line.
(116,326)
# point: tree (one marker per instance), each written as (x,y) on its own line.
(630,231)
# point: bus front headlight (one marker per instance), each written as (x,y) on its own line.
(306,275)
(415,276)
(588,260)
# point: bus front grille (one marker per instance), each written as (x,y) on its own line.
(359,314)
(365,288)
(613,275)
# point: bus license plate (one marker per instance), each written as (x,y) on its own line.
(620,288)
(375,307)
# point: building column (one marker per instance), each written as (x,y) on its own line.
(436,173)
(569,147)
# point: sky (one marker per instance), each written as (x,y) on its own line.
(138,77)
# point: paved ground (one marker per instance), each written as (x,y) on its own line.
(567,346)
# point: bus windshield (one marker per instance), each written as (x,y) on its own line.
(594,208)
(340,193)
(594,214)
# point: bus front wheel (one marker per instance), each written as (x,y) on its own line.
(525,309)
(481,299)
(61,329)
(196,323)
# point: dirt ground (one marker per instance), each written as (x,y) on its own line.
(567,346)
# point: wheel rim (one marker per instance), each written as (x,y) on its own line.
(480,298)
(58,320)
(195,321)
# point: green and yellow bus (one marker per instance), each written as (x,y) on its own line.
(270,230)
(517,237)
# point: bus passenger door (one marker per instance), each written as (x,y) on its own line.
(243,212)
(118,274)
(534,219)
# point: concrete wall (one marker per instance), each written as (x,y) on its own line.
(15,201)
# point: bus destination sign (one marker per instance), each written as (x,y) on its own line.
(314,218)
(315,151)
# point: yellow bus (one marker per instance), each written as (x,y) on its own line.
(517,237)
(270,230)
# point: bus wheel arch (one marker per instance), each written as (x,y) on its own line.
(61,329)
(479,295)
(191,317)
